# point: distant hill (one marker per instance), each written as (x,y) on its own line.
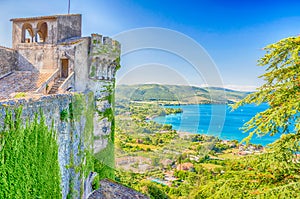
(177,94)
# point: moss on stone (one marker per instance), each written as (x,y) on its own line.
(81,110)
(64,115)
(118,63)
(20,95)
(93,71)
(104,162)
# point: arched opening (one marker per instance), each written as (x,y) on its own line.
(42,32)
(27,33)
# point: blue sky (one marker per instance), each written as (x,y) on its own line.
(231,32)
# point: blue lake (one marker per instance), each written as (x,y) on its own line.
(216,120)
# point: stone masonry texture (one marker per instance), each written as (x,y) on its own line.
(7,61)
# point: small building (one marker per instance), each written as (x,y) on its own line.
(187,166)
(49,55)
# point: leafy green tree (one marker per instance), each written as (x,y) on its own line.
(281,91)
(154,190)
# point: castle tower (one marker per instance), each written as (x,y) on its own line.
(36,38)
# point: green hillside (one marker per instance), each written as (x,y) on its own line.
(177,94)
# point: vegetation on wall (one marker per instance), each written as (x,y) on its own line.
(29,158)
(87,163)
(81,110)
(104,160)
(20,95)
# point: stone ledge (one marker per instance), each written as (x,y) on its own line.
(111,190)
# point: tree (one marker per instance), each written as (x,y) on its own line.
(281,91)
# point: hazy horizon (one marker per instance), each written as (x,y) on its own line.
(230,87)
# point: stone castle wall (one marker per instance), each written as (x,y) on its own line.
(68,26)
(44,57)
(8,61)
(74,132)
(103,63)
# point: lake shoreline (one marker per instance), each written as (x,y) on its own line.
(196,119)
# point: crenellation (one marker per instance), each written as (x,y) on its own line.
(97,40)
(104,56)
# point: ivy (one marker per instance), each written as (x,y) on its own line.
(109,112)
(29,158)
(104,162)
(82,109)
(118,63)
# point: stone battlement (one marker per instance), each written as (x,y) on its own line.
(104,60)
(104,46)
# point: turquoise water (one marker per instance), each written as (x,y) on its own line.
(217,120)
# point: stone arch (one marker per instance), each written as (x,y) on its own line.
(27,33)
(42,32)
